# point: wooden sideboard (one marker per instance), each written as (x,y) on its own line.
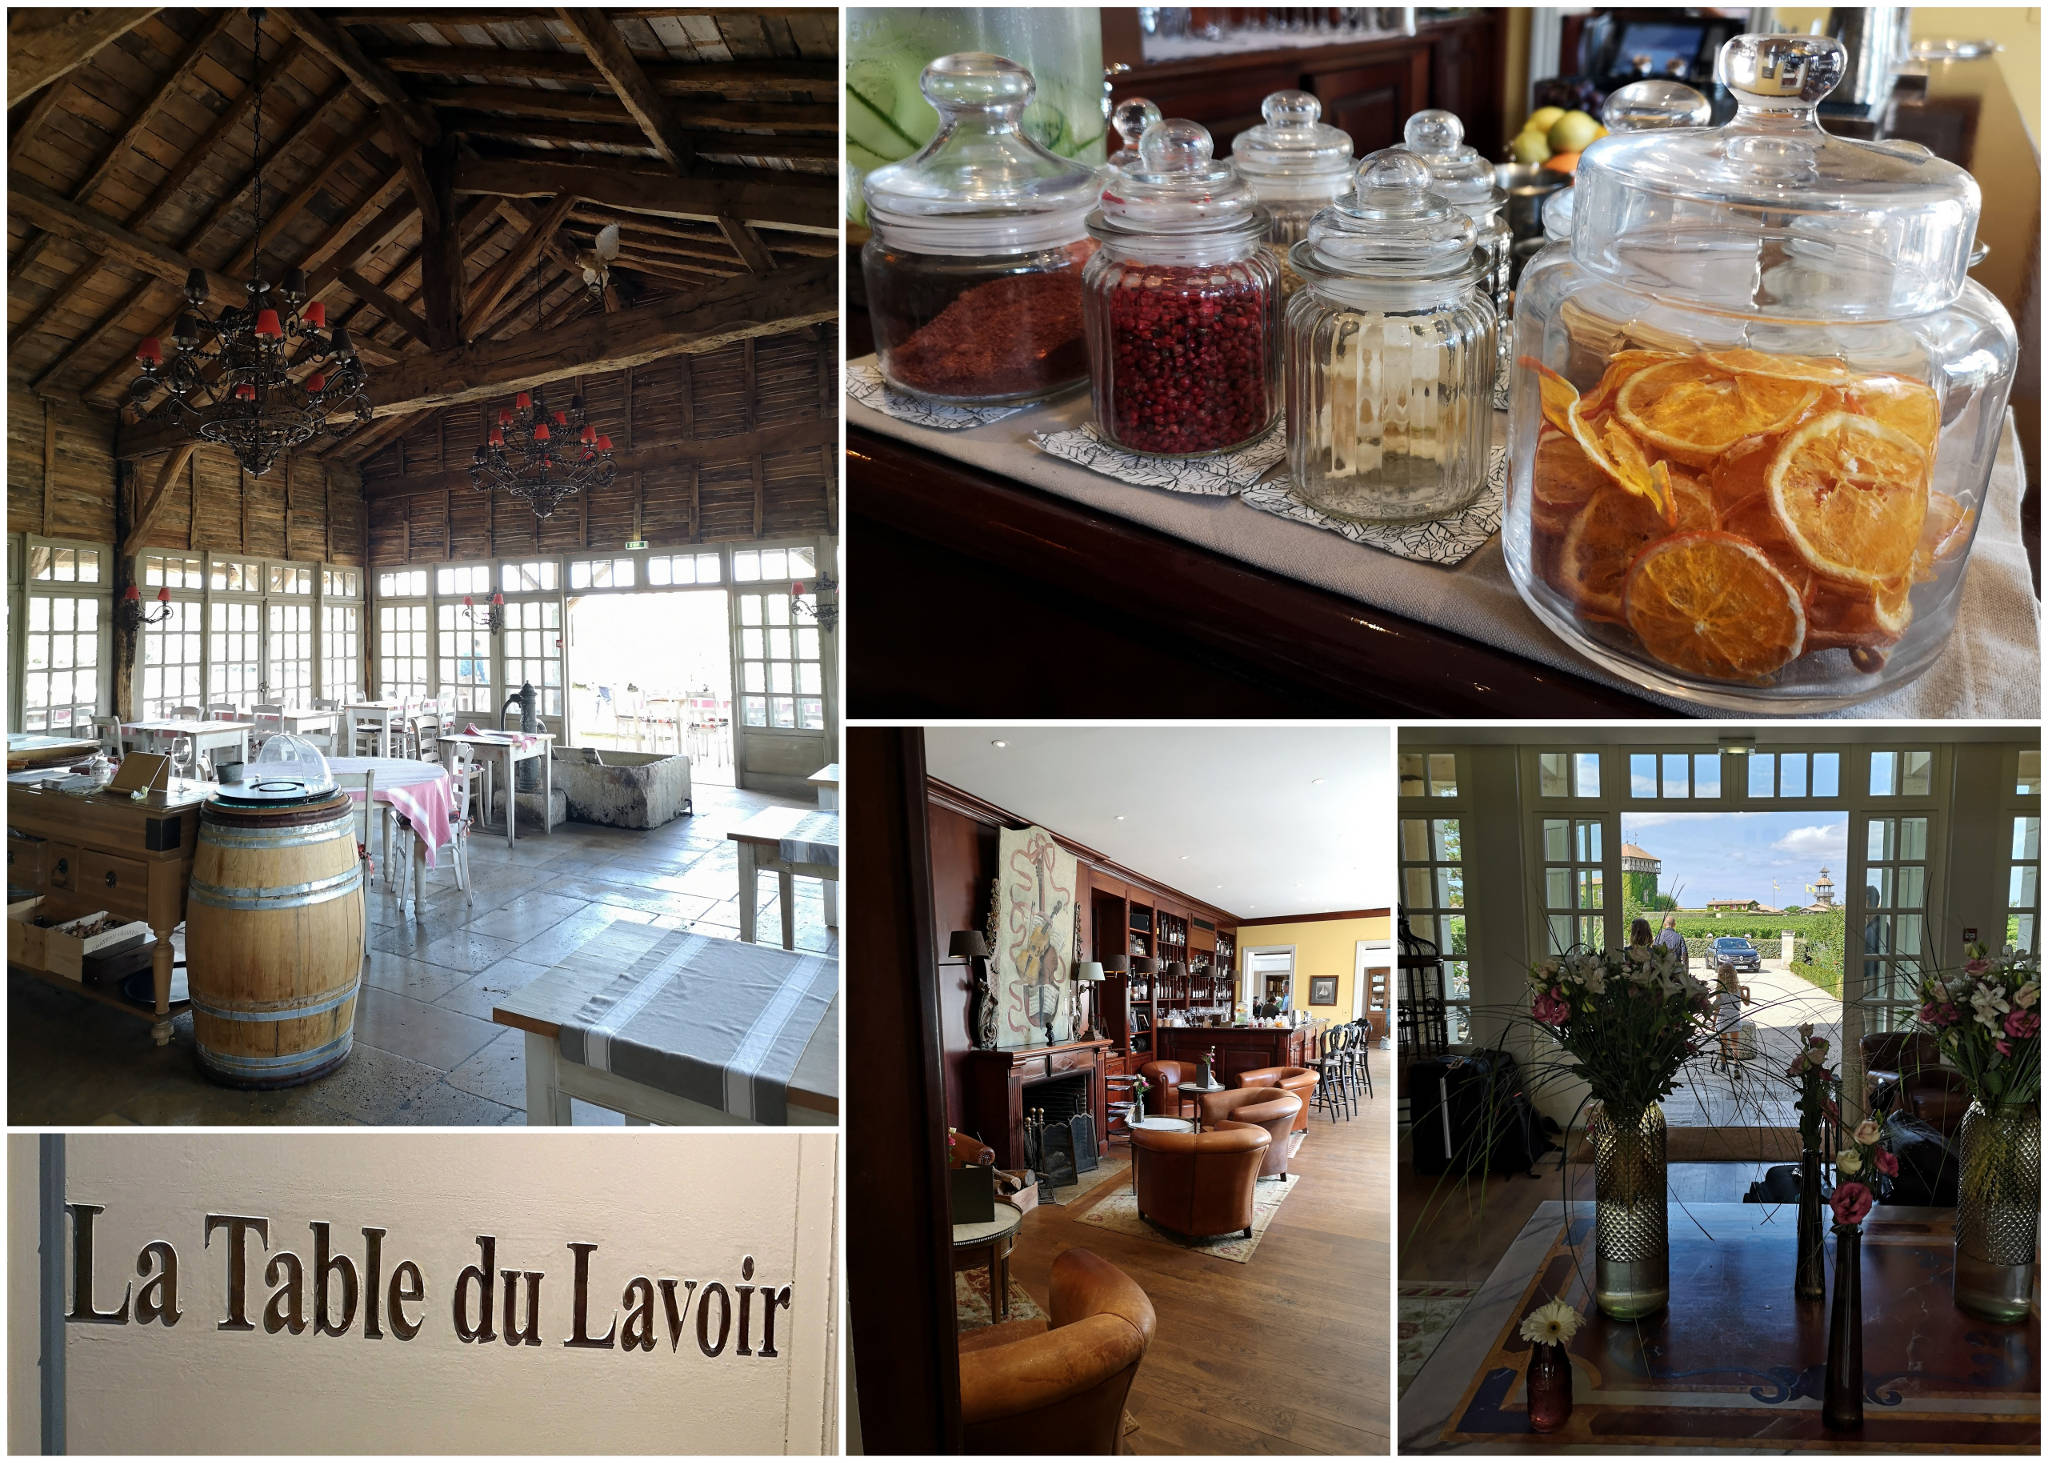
(999,1087)
(108,852)
(1238,1048)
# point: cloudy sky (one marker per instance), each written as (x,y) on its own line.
(1737,855)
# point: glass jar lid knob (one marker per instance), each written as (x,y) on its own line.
(1177,146)
(1394,224)
(1291,109)
(975,81)
(1780,73)
(1649,106)
(1131,119)
(1461,173)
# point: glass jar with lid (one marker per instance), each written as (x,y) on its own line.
(1297,164)
(1756,404)
(1465,178)
(1128,122)
(1641,106)
(1390,351)
(1182,302)
(973,271)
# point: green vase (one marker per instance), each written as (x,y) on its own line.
(1998,1210)
(1632,1263)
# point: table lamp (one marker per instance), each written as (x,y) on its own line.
(1086,973)
(971,946)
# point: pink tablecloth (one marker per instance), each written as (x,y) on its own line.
(423,794)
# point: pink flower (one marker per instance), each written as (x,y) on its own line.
(2022,1024)
(1949,1014)
(1550,1009)
(1798,1065)
(1976,967)
(1887,1163)
(1927,1014)
(1851,1202)
(2004,1047)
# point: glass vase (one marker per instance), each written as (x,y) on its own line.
(1998,1210)
(1841,1406)
(1809,1280)
(1550,1387)
(1632,1271)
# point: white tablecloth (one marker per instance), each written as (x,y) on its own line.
(1992,669)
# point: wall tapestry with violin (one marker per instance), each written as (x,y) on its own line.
(1032,944)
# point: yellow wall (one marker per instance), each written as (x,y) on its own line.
(1321,947)
(2015,27)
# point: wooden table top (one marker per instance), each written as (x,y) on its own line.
(1735,1360)
(26,750)
(543,1004)
(772,825)
(826,776)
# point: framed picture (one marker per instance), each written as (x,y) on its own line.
(1322,990)
(1032,964)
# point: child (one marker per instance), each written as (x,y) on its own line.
(1727,1016)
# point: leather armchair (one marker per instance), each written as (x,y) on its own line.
(1199,1184)
(1271,1108)
(1028,1389)
(1922,1087)
(1298,1080)
(1161,1078)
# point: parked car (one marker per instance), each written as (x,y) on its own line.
(1733,950)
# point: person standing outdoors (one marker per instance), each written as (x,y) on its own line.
(1671,939)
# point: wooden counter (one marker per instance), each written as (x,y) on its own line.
(1238,1048)
(106,852)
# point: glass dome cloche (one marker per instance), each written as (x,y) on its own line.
(287,768)
(1756,402)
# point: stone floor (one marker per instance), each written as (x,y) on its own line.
(426,1050)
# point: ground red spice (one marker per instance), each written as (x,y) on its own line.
(1008,337)
(1188,360)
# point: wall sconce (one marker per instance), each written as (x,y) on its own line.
(827,615)
(972,947)
(129,616)
(493,617)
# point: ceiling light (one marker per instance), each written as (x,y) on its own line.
(999,743)
(1318,781)
(1741,744)
(1119,816)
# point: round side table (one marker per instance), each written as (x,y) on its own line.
(1192,1092)
(996,1237)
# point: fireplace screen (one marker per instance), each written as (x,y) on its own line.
(1059,1130)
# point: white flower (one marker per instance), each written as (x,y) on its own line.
(1849,1163)
(2027,994)
(1639,954)
(1596,981)
(1868,1132)
(1552,1324)
(1805,1032)
(1990,1007)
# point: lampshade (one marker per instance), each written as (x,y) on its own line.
(1115,962)
(969,945)
(1176,967)
(1088,971)
(1144,964)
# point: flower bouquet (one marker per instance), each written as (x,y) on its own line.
(1629,1019)
(1549,1329)
(1862,1157)
(1986,1019)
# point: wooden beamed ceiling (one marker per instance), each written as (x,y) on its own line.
(440,175)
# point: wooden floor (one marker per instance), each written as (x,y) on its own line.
(1289,1353)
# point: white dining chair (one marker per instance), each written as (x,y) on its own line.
(363,815)
(186,713)
(108,730)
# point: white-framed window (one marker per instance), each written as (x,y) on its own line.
(608,573)
(684,570)
(341,649)
(1894,908)
(62,650)
(1433,895)
(174,660)
(1574,883)
(1429,774)
(294,579)
(174,572)
(782,678)
(339,581)
(461,579)
(234,650)
(1908,774)
(1674,775)
(288,653)
(465,656)
(1568,774)
(2023,885)
(1795,774)
(234,575)
(758,566)
(533,649)
(531,575)
(402,584)
(402,662)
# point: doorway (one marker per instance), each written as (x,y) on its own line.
(1761,888)
(652,672)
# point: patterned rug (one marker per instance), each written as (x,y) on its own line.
(970,1300)
(1427,1309)
(1115,1207)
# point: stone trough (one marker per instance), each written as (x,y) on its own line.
(621,789)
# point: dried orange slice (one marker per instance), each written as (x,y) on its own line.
(1559,395)
(1818,370)
(1599,546)
(1857,616)
(1944,534)
(1692,502)
(1851,494)
(1899,402)
(1694,412)
(1620,366)
(1711,604)
(1562,479)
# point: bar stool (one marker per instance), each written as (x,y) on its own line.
(1360,1053)
(1329,1068)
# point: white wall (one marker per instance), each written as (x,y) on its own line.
(681,1205)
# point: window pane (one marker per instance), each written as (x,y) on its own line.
(1450,887)
(1551,781)
(1415,890)
(1588,775)
(1557,887)
(2026,838)
(1881,841)
(1411,775)
(1642,775)
(1706,774)
(1762,771)
(2025,884)
(1884,774)
(1911,887)
(1676,768)
(2029,772)
(1561,933)
(1443,774)
(1792,775)
(1449,849)
(1414,839)
(1827,774)
(1556,840)
(1917,778)
(1912,838)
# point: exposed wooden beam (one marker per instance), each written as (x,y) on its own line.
(412,161)
(665,235)
(717,316)
(807,208)
(609,53)
(493,287)
(647,456)
(281,214)
(31,125)
(576,106)
(49,210)
(376,297)
(545,129)
(748,79)
(559,244)
(43,45)
(345,228)
(747,244)
(152,506)
(675,271)
(370,76)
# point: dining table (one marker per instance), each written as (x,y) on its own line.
(421,795)
(787,842)
(510,749)
(207,736)
(383,715)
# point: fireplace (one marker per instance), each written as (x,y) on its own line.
(1059,1128)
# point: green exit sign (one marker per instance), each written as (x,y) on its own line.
(636,543)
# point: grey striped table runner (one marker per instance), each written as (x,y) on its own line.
(716,1021)
(813,839)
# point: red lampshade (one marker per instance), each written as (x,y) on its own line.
(497,438)
(131,592)
(316,313)
(540,433)
(163,596)
(150,350)
(604,444)
(468,603)
(523,400)
(245,392)
(561,419)
(589,433)
(267,326)
(317,382)
(504,416)
(497,599)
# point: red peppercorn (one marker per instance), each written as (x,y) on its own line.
(1188,350)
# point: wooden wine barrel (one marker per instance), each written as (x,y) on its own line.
(274,940)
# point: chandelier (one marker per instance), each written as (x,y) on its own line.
(542,457)
(231,375)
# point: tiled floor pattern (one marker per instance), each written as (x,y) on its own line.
(426,1050)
